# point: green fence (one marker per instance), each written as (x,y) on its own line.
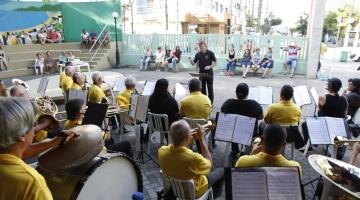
(91,16)
(134,45)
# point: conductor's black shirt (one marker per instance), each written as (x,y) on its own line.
(205,59)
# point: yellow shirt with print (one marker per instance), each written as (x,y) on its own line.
(123,99)
(196,105)
(62,76)
(263,159)
(95,94)
(75,86)
(66,83)
(183,163)
(283,113)
(20,181)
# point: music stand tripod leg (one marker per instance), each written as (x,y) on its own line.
(142,152)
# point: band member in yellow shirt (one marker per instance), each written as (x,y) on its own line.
(67,82)
(180,162)
(18,180)
(62,74)
(124,97)
(96,93)
(78,81)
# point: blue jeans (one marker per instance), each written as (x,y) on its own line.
(291,62)
(267,65)
(231,65)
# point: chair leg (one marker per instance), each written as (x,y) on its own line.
(137,136)
(307,147)
(149,142)
(121,131)
(211,195)
(161,138)
(293,151)
(227,153)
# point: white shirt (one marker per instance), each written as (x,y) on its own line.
(39,62)
(159,56)
(85,35)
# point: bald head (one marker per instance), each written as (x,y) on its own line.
(18,91)
(69,70)
(179,132)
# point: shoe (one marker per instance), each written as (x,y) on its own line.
(358,68)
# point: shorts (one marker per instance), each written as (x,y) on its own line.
(246,63)
(291,62)
(267,65)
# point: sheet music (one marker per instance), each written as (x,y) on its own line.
(148,88)
(314,95)
(283,183)
(77,94)
(253,93)
(142,108)
(119,84)
(42,86)
(180,91)
(249,185)
(265,95)
(301,95)
(318,132)
(336,127)
(225,127)
(134,100)
(244,129)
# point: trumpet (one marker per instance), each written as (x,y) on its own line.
(340,140)
(256,140)
(210,125)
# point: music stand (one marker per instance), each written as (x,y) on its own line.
(95,114)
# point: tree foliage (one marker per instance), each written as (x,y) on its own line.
(250,21)
(269,22)
(301,24)
(330,22)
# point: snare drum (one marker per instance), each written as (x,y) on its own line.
(108,176)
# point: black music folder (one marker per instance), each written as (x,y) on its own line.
(205,75)
(263,183)
(95,114)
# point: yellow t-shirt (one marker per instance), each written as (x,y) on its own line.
(70,124)
(62,76)
(40,136)
(19,181)
(66,83)
(75,86)
(283,113)
(95,94)
(183,163)
(263,159)
(123,99)
(196,105)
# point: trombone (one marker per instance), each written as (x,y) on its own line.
(340,140)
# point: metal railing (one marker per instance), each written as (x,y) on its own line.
(97,39)
(101,43)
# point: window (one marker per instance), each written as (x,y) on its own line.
(216,6)
(150,3)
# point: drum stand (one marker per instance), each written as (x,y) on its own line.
(142,153)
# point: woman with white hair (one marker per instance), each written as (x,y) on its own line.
(96,93)
(18,180)
(124,97)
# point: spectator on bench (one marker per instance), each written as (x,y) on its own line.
(145,60)
(42,36)
(53,37)
(49,62)
(84,36)
(39,64)
(159,59)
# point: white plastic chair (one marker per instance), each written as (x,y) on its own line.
(184,189)
(287,127)
(356,118)
(156,124)
(194,124)
(125,120)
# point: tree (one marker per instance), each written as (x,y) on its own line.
(330,22)
(301,24)
(269,22)
(250,21)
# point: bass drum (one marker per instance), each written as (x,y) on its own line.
(109,176)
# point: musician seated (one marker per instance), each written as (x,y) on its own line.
(18,91)
(75,110)
(242,106)
(78,81)
(285,112)
(62,74)
(196,105)
(268,152)
(178,161)
(96,93)
(352,95)
(67,82)
(123,98)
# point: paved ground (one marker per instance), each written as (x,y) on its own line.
(224,88)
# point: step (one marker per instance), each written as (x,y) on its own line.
(31,54)
(16,73)
(94,50)
(39,47)
(21,64)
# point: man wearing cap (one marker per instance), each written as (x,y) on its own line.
(292,50)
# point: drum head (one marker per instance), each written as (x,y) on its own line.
(77,152)
(117,178)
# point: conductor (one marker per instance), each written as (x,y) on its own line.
(205,60)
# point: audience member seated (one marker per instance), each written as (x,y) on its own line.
(49,62)
(42,36)
(178,161)
(231,62)
(67,82)
(285,112)
(18,91)
(63,58)
(352,95)
(11,39)
(105,39)
(255,61)
(25,38)
(246,62)
(331,105)
(268,152)
(196,105)
(53,37)
(70,56)
(176,58)
(75,110)
(39,64)
(3,63)
(96,93)
(161,102)
(145,60)
(159,59)
(242,106)
(267,62)
(124,97)
(292,51)
(78,81)
(3,89)
(167,57)
(92,38)
(355,153)
(84,37)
